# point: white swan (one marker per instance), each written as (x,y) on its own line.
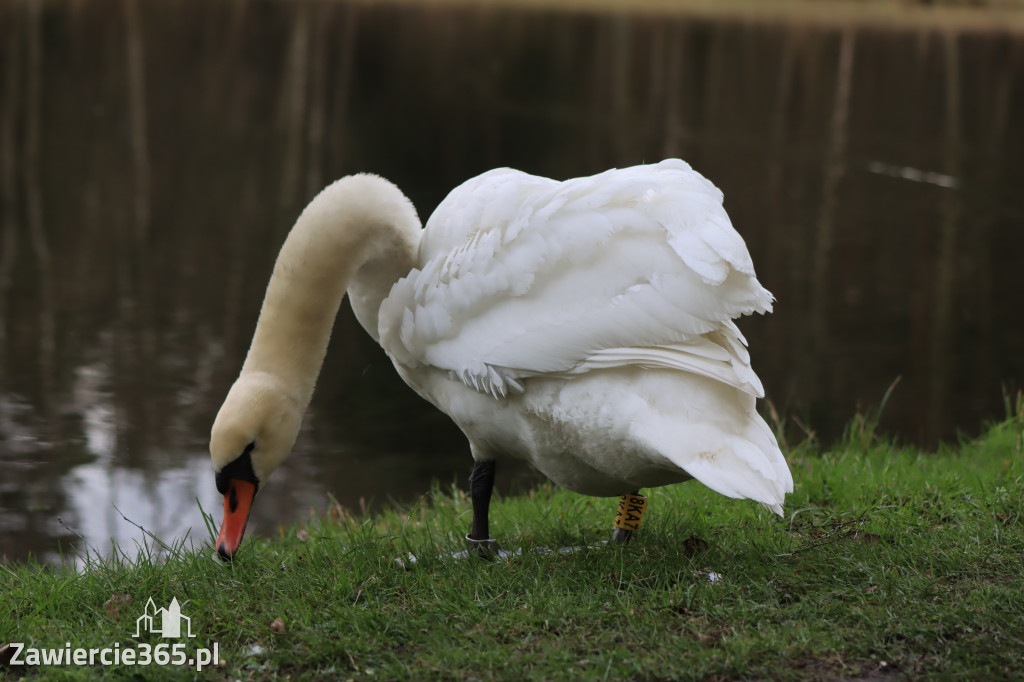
(584,326)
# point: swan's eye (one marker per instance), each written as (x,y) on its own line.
(239,468)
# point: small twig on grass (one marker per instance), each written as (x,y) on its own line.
(809,433)
(160,542)
(780,426)
(13,574)
(832,536)
(361,586)
(486,604)
(74,532)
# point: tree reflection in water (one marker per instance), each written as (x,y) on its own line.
(152,156)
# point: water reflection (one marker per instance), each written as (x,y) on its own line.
(153,154)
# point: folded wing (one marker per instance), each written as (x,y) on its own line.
(522,276)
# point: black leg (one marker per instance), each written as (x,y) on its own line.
(628,517)
(481,485)
(621,537)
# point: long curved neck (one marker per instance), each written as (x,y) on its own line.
(359,234)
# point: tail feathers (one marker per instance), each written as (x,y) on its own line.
(736,466)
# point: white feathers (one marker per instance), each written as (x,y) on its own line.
(584,326)
(522,275)
(587,327)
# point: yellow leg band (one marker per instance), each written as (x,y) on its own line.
(631,512)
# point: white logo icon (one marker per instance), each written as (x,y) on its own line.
(165,622)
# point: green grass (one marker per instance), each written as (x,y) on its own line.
(890,564)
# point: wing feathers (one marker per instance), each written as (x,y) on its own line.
(521,276)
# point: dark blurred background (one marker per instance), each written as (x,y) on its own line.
(154,154)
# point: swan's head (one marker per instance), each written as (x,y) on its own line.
(253,434)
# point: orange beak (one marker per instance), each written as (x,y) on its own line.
(237,505)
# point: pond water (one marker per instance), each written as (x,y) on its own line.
(154,154)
